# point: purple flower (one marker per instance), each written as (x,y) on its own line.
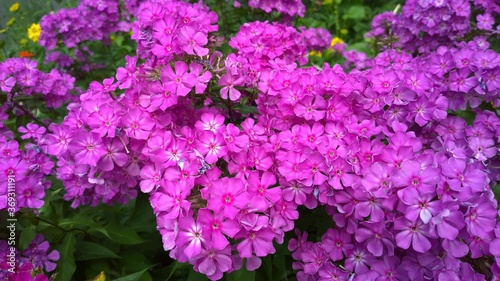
(190,238)
(87,148)
(193,41)
(413,233)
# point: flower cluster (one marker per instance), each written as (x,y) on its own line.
(35,258)
(19,77)
(89,21)
(23,170)
(426,25)
(261,44)
(288,7)
(26,168)
(317,39)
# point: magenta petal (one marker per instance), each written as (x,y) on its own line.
(420,243)
(207,266)
(253,263)
(403,239)
(375,247)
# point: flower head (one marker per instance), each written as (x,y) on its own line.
(34,32)
(14,7)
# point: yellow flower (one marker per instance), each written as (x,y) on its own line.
(315,53)
(11,21)
(34,32)
(14,7)
(336,41)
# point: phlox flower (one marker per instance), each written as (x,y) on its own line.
(311,136)
(202,79)
(482,148)
(418,205)
(385,82)
(463,178)
(87,148)
(259,158)
(213,262)
(292,168)
(211,146)
(480,217)
(151,177)
(314,258)
(358,260)
(106,87)
(190,237)
(162,97)
(228,81)
(227,197)
(9,149)
(341,174)
(104,121)
(460,80)
(413,175)
(389,269)
(239,165)
(210,122)
(179,82)
(449,221)
(332,272)
(113,156)
(6,83)
(413,233)
(311,108)
(166,46)
(171,199)
(295,191)
(259,242)
(32,131)
(485,21)
(235,141)
(336,244)
(215,227)
(193,41)
(30,193)
(259,189)
(137,124)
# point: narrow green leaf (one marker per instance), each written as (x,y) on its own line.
(132,277)
(27,235)
(123,235)
(84,222)
(241,274)
(89,251)
(195,276)
(66,264)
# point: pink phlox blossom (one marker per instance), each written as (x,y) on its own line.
(179,82)
(228,196)
(229,81)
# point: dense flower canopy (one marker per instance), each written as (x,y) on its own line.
(230,148)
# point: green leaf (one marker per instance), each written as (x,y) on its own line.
(241,274)
(135,261)
(355,13)
(132,277)
(123,235)
(27,235)
(66,264)
(195,276)
(89,251)
(84,222)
